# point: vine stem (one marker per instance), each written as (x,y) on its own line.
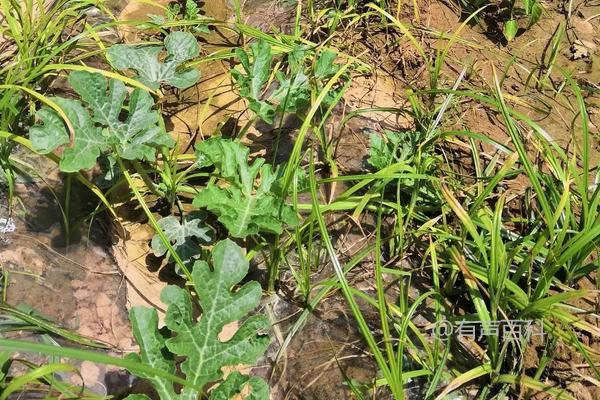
(144,175)
(153,220)
(67,213)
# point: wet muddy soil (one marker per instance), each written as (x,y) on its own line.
(87,284)
(73,281)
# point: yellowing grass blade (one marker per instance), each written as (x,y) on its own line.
(464,378)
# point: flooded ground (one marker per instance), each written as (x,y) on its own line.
(72,282)
(86,283)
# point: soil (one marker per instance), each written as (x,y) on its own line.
(73,282)
(92,283)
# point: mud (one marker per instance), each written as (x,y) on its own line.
(73,281)
(321,359)
(90,291)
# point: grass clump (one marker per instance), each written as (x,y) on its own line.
(509,235)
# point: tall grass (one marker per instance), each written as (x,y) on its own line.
(453,228)
(511,268)
(38,37)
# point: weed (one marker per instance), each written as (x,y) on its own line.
(476,249)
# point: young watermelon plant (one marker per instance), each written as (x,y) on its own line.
(292,91)
(144,60)
(242,205)
(94,127)
(185,236)
(197,342)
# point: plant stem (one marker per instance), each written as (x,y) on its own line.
(153,220)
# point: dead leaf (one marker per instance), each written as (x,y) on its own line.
(583,28)
(581,49)
(143,286)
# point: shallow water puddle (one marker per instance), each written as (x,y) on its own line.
(77,287)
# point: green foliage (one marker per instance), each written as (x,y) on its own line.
(110,172)
(293,89)
(257,74)
(97,125)
(241,205)
(182,236)
(180,47)
(325,68)
(510,29)
(534,10)
(47,137)
(5,362)
(175,12)
(291,93)
(390,148)
(197,342)
(229,389)
(404,148)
